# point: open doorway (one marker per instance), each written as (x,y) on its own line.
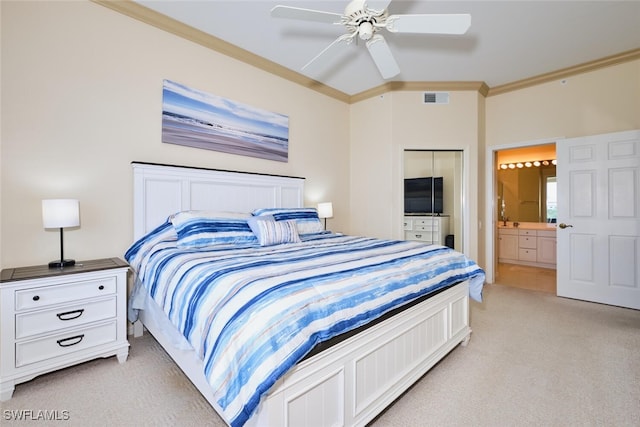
(525,200)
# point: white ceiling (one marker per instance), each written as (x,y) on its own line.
(508,41)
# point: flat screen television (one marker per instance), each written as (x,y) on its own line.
(423,195)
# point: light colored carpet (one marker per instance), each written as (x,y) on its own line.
(533,360)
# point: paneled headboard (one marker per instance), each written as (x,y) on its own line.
(161,190)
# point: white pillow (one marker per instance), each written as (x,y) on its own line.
(270,232)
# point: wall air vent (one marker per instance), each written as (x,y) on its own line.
(436,98)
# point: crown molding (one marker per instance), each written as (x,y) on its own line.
(630,55)
(162,22)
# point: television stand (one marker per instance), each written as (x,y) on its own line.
(426,228)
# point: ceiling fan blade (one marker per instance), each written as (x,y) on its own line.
(290,12)
(429,24)
(333,49)
(378,4)
(383,57)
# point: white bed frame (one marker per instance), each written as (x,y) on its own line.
(348,384)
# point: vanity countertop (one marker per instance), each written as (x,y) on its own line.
(529,225)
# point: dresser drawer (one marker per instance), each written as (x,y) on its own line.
(428,223)
(421,236)
(527,255)
(28,352)
(38,322)
(434,226)
(69,292)
(526,232)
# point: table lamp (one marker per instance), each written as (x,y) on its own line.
(325,210)
(61,213)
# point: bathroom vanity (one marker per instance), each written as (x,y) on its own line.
(527,243)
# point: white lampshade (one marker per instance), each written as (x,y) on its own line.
(59,213)
(325,210)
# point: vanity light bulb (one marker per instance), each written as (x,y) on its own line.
(553,162)
(536,163)
(520,165)
(512,166)
(528,164)
(503,166)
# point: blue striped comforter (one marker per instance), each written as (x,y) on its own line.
(251,313)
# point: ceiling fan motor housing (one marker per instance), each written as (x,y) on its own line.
(358,18)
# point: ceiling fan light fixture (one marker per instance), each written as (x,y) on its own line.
(365,31)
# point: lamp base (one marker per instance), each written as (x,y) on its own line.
(62,263)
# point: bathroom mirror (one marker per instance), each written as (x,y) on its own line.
(527,194)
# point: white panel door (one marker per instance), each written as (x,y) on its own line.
(599,218)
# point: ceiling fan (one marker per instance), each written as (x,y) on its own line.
(365,23)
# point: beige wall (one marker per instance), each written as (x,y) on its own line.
(381,129)
(81,99)
(602,101)
(371,172)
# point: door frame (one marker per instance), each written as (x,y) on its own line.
(491,210)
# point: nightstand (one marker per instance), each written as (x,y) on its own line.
(54,318)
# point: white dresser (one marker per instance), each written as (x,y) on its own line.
(428,229)
(54,318)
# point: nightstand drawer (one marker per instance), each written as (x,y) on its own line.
(38,322)
(34,351)
(48,295)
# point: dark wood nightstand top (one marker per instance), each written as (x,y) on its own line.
(41,271)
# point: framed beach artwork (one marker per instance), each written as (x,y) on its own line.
(198,119)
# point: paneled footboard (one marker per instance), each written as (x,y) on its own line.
(352,382)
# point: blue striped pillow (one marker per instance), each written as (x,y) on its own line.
(199,231)
(306,219)
(271,232)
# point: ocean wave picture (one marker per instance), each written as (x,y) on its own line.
(198,119)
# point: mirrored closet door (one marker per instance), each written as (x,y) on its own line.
(432,195)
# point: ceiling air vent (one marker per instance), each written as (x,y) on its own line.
(436,98)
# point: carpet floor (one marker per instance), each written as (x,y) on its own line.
(533,360)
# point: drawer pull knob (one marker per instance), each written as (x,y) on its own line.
(101,287)
(419,236)
(36,298)
(70,315)
(63,342)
